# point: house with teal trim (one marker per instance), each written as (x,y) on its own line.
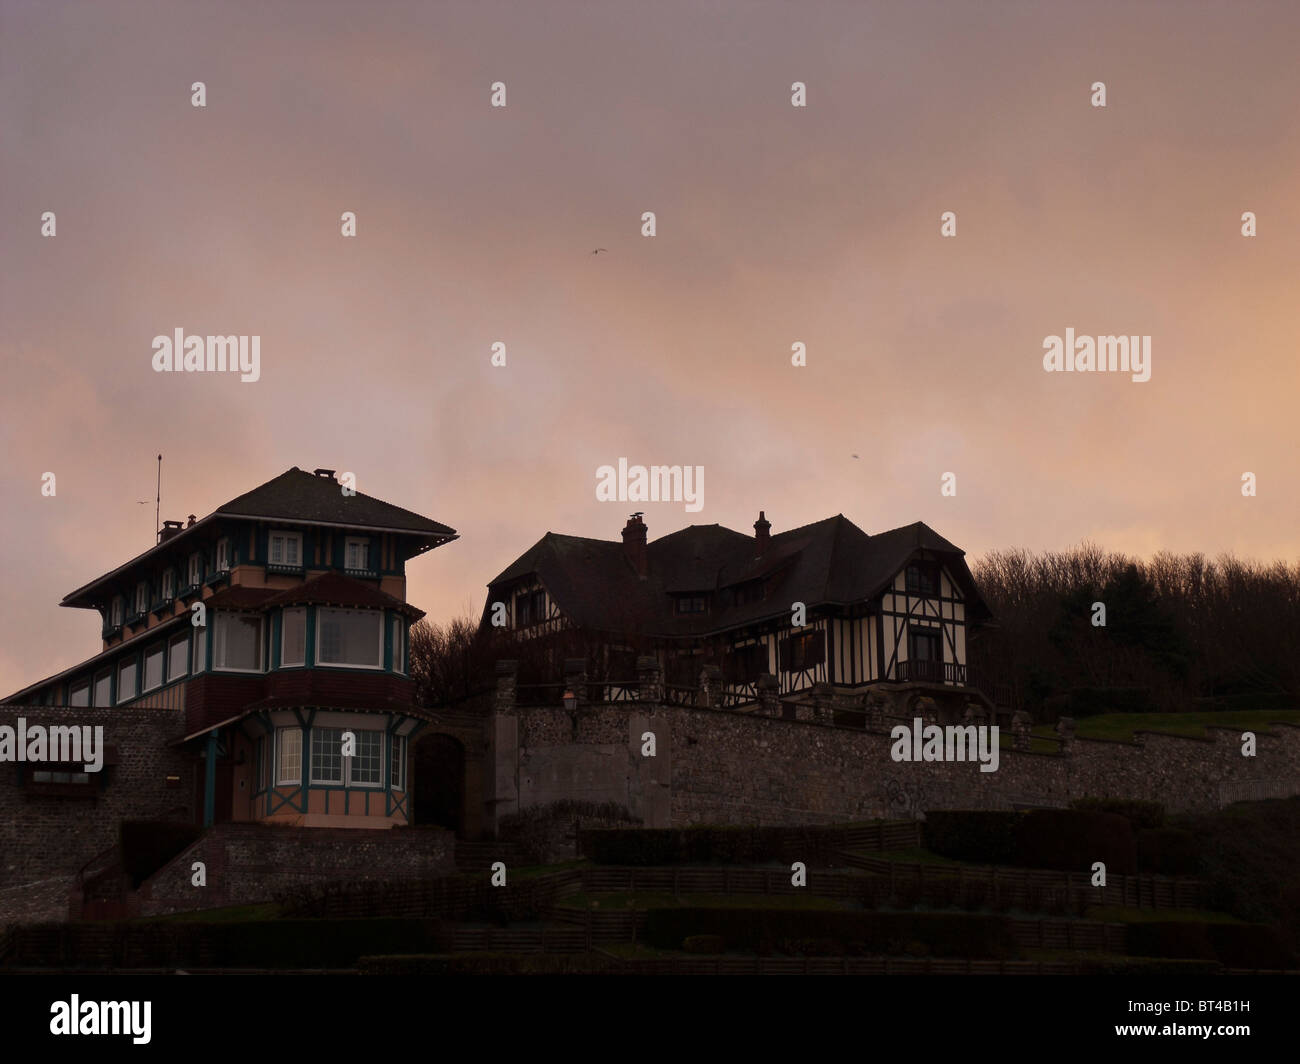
(274,634)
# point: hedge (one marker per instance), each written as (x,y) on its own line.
(835,932)
(710,845)
(1235,945)
(1169,852)
(1067,840)
(1138,813)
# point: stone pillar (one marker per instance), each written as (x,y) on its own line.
(711,687)
(650,680)
(926,708)
(769,695)
(975,714)
(506,672)
(877,707)
(575,678)
(1021,725)
(823,702)
(1065,729)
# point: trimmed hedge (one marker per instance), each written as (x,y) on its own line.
(147,845)
(1235,945)
(1169,852)
(710,845)
(802,932)
(1138,813)
(1066,840)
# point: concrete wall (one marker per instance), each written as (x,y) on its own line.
(717,767)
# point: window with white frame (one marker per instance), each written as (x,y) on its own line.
(169,584)
(286,549)
(356,553)
(288,745)
(223,555)
(153,666)
(80,694)
(141,598)
(196,569)
(350,637)
(399,645)
(237,642)
(327,755)
(119,608)
(126,680)
(367,763)
(104,688)
(178,656)
(397,770)
(293,637)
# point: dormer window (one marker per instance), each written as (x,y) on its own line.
(530,608)
(223,555)
(356,553)
(142,598)
(923,578)
(691,604)
(286,549)
(119,609)
(169,585)
(196,569)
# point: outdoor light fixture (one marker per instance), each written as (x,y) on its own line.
(570,700)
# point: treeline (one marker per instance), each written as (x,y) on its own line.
(1177,628)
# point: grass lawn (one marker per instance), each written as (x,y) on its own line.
(616,902)
(1122,725)
(913,855)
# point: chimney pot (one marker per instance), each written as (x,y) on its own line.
(762,534)
(327,473)
(634,544)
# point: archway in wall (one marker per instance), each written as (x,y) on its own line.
(438,795)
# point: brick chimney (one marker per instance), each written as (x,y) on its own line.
(191,521)
(169,529)
(634,544)
(762,535)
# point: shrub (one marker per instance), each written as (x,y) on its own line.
(1168,852)
(1138,813)
(973,835)
(710,845)
(1070,840)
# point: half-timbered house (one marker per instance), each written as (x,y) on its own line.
(823,603)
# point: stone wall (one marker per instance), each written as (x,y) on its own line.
(249,863)
(718,767)
(44,835)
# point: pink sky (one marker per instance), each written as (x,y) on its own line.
(775,225)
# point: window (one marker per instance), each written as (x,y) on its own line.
(223,555)
(746,664)
(690,604)
(350,637)
(288,743)
(803,651)
(368,761)
(126,681)
(356,553)
(530,608)
(923,579)
(142,598)
(923,644)
(169,585)
(397,770)
(67,775)
(237,642)
(153,666)
(286,549)
(104,688)
(178,657)
(399,645)
(327,755)
(119,608)
(80,693)
(196,570)
(293,642)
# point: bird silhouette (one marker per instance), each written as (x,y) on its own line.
(855,456)
(599,250)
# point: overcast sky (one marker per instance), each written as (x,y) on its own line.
(775,225)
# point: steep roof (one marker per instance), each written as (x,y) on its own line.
(828,563)
(295,496)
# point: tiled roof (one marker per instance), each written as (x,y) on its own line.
(338,589)
(829,562)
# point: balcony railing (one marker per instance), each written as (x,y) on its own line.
(918,671)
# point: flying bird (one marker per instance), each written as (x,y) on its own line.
(855,456)
(599,250)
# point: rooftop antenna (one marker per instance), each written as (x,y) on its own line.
(157,502)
